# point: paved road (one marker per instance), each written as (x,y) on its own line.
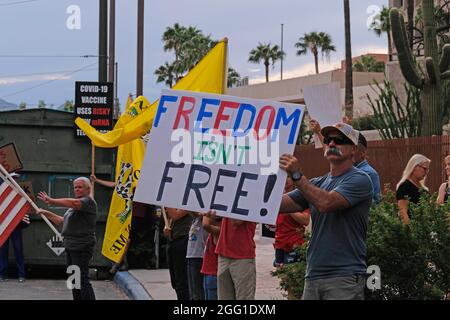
(157,282)
(33,289)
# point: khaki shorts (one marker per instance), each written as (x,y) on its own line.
(236,279)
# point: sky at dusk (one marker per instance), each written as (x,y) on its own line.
(39,28)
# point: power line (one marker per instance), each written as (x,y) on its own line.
(16,2)
(49,56)
(37,73)
(47,82)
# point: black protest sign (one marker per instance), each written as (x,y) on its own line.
(94,102)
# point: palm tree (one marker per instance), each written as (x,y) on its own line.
(166,74)
(348,64)
(233,77)
(368,64)
(194,49)
(381,24)
(173,39)
(315,42)
(266,53)
(189,46)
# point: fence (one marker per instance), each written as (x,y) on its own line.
(388,157)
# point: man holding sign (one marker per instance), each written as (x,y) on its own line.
(221,153)
(339,204)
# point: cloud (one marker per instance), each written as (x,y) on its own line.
(358,51)
(304,70)
(309,68)
(30,78)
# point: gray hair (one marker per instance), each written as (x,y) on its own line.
(86,181)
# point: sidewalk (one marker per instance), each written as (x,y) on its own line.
(155,284)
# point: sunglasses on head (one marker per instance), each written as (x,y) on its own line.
(337,140)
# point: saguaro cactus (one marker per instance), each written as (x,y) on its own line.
(431,80)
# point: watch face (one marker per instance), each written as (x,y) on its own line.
(296,175)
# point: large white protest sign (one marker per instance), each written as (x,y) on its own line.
(324,104)
(218,152)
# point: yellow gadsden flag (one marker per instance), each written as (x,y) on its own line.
(129,162)
(209,75)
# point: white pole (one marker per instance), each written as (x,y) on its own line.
(166,221)
(35,207)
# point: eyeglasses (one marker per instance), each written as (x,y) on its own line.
(337,140)
(424,168)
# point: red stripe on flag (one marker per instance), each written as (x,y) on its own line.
(5,193)
(10,207)
(13,224)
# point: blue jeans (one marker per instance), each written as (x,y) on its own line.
(16,238)
(210,287)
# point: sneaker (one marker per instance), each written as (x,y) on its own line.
(21,279)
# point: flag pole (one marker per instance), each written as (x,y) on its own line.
(166,221)
(92,166)
(225,68)
(23,193)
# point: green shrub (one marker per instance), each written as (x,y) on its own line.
(413,259)
(292,276)
(392,117)
(364,123)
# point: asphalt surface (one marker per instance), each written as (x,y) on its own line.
(34,289)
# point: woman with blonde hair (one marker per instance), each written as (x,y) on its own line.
(412,184)
(444,190)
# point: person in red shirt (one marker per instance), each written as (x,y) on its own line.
(289,232)
(210,258)
(236,274)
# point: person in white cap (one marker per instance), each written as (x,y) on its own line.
(339,203)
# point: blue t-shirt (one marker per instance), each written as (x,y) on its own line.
(374,177)
(338,240)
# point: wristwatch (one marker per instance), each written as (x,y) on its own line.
(296,175)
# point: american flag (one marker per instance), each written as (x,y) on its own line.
(13,207)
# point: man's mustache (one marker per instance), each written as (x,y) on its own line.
(333,151)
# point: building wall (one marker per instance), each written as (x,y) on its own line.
(290,90)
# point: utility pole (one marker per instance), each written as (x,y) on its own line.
(112,56)
(140,49)
(103,41)
(282,51)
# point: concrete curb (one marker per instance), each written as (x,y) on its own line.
(133,288)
